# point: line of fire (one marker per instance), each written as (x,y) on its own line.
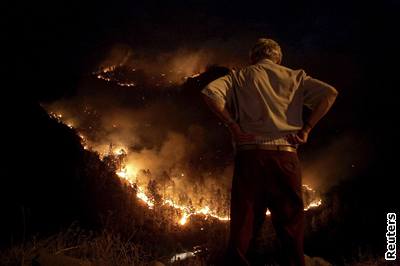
(146,186)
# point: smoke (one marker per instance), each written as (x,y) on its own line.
(177,179)
(346,156)
(164,135)
(160,69)
(119,55)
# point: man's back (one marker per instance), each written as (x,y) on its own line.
(267,99)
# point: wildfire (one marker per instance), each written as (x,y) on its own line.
(125,76)
(129,173)
(184,218)
(60,118)
(108,74)
(56,116)
(141,195)
(122,173)
(314,204)
(186,212)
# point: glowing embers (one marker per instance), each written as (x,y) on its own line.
(60,118)
(184,219)
(186,212)
(311,198)
(182,256)
(123,173)
(314,204)
(167,194)
(118,75)
(126,76)
(141,195)
(129,172)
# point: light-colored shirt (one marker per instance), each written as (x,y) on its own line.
(267,99)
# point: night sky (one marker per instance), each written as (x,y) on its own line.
(351,45)
(340,42)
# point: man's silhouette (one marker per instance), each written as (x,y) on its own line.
(262,106)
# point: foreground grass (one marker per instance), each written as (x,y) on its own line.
(75,246)
(104,248)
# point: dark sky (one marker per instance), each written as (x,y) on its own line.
(348,44)
(62,40)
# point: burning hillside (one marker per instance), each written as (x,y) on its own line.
(122,67)
(170,183)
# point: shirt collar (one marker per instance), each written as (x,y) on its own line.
(265,60)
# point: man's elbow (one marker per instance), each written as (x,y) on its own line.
(334,92)
(332,95)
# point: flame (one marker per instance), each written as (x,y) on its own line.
(184,218)
(106,75)
(119,151)
(57,116)
(307,187)
(182,256)
(204,211)
(316,202)
(313,204)
(122,173)
(129,173)
(141,195)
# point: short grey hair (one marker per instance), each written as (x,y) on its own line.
(266,48)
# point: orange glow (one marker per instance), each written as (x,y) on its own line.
(184,218)
(129,172)
(314,204)
(141,195)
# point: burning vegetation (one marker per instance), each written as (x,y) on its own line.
(171,187)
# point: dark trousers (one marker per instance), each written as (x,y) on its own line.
(266,179)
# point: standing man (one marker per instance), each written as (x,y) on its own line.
(262,106)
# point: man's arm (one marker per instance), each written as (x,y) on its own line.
(317,113)
(321,109)
(318,96)
(220,110)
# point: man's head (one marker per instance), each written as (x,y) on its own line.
(266,49)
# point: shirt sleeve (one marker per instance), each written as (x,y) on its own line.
(315,91)
(219,89)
